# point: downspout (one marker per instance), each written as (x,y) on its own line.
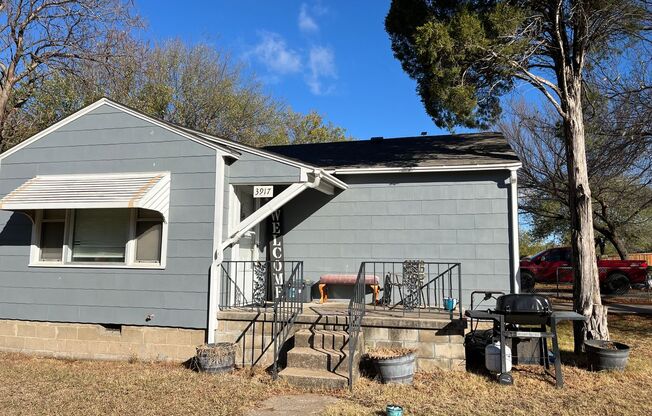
(515,255)
(219,246)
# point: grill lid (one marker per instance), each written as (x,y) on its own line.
(526,303)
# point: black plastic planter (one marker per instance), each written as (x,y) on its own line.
(606,355)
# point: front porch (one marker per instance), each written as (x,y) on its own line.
(264,310)
(437,338)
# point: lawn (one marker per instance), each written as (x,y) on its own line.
(31,385)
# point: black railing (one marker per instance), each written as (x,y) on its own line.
(415,287)
(356,313)
(287,306)
(252,284)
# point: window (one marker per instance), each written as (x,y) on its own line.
(100,235)
(52,233)
(149,230)
(117,237)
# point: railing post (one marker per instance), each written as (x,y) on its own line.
(459,287)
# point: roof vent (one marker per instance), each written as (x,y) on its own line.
(424,133)
(377,138)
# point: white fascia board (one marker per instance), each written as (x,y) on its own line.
(258,152)
(277,158)
(225,151)
(425,169)
(53,127)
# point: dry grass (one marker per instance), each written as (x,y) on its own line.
(41,386)
(48,386)
(585,393)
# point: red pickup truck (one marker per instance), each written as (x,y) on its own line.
(616,276)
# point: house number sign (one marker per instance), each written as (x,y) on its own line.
(263,191)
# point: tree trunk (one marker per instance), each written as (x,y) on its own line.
(586,291)
(610,233)
(619,245)
(4,104)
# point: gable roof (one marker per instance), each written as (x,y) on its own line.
(105,101)
(226,147)
(449,152)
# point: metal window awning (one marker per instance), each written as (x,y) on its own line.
(148,190)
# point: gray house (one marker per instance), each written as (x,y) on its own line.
(121,234)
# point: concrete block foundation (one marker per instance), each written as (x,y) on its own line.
(98,342)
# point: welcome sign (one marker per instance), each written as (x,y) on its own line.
(275,251)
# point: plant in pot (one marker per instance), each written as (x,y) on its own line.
(606,355)
(394,365)
(216,358)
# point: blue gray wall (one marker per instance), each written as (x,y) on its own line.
(251,169)
(443,217)
(107,140)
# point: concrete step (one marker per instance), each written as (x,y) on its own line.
(320,338)
(310,378)
(322,359)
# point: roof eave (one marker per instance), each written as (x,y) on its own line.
(425,169)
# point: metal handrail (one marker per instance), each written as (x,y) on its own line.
(356,313)
(287,306)
(436,284)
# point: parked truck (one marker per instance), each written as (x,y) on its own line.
(554,265)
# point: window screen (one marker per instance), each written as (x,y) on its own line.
(100,235)
(52,240)
(148,241)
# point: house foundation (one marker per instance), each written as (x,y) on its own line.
(99,342)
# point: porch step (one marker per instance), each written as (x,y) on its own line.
(330,360)
(320,358)
(311,378)
(321,338)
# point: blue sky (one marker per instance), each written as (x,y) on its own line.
(329,56)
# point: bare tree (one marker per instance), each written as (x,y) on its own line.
(619,168)
(465,54)
(42,37)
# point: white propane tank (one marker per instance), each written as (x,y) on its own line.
(492,358)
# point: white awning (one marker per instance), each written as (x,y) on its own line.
(150,190)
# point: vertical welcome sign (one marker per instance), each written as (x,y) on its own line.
(275,251)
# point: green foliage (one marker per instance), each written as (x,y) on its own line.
(197,87)
(451,48)
(466,54)
(529,244)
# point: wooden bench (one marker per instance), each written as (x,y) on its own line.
(346,279)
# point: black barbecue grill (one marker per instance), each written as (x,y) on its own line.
(526,316)
(527,309)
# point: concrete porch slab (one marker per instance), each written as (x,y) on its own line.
(336,314)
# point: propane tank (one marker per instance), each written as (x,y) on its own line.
(492,358)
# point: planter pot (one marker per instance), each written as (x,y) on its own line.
(606,355)
(216,358)
(393,410)
(399,370)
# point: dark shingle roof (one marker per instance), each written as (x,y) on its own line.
(405,152)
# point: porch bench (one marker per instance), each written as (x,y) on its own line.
(346,279)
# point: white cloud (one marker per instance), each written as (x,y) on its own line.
(273,52)
(307,23)
(321,67)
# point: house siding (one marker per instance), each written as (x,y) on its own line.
(102,141)
(251,169)
(441,217)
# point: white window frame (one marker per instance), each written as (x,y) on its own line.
(66,258)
